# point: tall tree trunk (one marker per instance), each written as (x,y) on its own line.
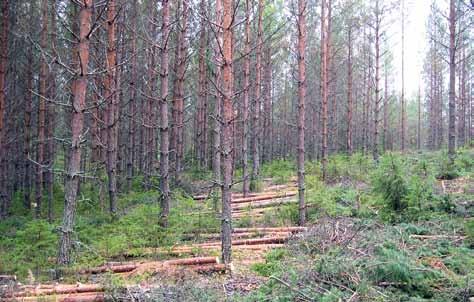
(324,82)
(112,108)
(462,101)
(3,70)
(51,123)
(203,94)
(43,79)
(77,126)
(177,138)
(216,165)
(375,151)
(245,110)
(267,107)
(452,82)
(418,131)
(132,105)
(402,100)
(228,116)
(27,130)
(164,128)
(258,82)
(349,90)
(301,107)
(385,112)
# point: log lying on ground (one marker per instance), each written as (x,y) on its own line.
(264,204)
(82,297)
(280,187)
(125,268)
(234,195)
(110,268)
(246,235)
(264,197)
(270,229)
(60,289)
(210,268)
(186,249)
(435,237)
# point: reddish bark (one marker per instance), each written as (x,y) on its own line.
(227,125)
(77,126)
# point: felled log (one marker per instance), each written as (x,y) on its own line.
(210,268)
(60,289)
(110,268)
(234,195)
(435,237)
(193,261)
(258,205)
(125,268)
(246,235)
(81,297)
(264,197)
(270,229)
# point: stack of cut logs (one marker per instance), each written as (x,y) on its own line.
(254,205)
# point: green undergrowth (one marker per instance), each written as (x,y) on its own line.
(100,237)
(346,257)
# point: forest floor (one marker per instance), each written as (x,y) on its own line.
(354,248)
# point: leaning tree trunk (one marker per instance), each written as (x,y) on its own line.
(301,107)
(77,126)
(164,128)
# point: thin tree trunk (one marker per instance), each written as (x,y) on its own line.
(202,97)
(324,83)
(385,112)
(132,105)
(452,82)
(375,151)
(51,123)
(216,166)
(258,82)
(228,115)
(43,78)
(3,70)
(177,138)
(301,107)
(349,90)
(112,108)
(164,129)
(77,126)
(403,105)
(245,110)
(27,131)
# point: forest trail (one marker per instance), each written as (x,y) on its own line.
(250,244)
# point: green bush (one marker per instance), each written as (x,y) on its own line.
(389,181)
